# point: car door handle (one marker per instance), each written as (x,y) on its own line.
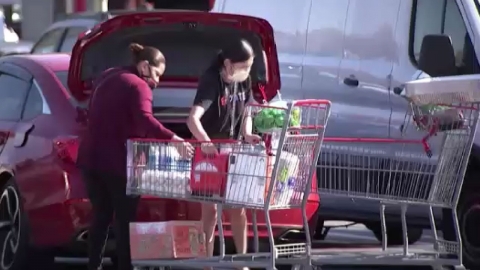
(398,90)
(351,81)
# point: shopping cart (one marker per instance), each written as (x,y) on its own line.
(426,170)
(276,174)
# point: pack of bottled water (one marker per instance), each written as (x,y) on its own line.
(167,158)
(164,183)
(167,172)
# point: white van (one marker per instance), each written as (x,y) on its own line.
(356,53)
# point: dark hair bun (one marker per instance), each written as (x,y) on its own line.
(136,48)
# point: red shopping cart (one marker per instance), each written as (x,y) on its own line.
(425,168)
(268,176)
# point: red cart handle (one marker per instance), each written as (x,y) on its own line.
(309,102)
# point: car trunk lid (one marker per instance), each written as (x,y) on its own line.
(189,41)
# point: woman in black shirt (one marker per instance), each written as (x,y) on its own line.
(217,112)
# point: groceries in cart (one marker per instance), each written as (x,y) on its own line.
(167,240)
(428,116)
(166,171)
(236,175)
(268,119)
(243,176)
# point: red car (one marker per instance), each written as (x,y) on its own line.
(43,98)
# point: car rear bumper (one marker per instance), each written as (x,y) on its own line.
(72,219)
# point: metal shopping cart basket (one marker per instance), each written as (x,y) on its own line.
(269,176)
(425,167)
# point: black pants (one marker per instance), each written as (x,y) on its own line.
(108,197)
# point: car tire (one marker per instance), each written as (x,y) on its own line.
(469,220)
(16,252)
(395,235)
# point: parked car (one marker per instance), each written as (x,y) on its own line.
(62,34)
(356,53)
(42,105)
(10,42)
(20,47)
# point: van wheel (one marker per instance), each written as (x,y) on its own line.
(395,235)
(469,220)
(16,253)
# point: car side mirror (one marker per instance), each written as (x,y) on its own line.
(437,56)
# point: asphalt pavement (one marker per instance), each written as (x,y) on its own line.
(353,236)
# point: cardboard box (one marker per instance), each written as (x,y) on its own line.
(167,240)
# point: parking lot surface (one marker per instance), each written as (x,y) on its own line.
(353,236)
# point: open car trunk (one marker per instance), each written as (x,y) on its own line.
(189,40)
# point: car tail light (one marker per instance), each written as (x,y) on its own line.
(66,148)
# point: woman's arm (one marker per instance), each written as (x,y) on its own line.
(194,124)
(247,127)
(144,121)
(206,95)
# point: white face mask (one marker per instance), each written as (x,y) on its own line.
(240,75)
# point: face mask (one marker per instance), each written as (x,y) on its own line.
(148,78)
(240,75)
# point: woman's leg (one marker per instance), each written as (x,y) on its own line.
(102,210)
(209,220)
(238,221)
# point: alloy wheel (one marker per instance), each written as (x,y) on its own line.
(9,226)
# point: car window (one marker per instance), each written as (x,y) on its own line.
(35,104)
(12,97)
(439,17)
(70,38)
(49,42)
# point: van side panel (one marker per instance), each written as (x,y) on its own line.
(360,107)
(324,49)
(369,53)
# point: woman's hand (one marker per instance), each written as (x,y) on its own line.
(185,149)
(209,148)
(252,138)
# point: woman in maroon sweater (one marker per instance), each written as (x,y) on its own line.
(120,108)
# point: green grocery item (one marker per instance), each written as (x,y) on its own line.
(279,121)
(283,175)
(270,118)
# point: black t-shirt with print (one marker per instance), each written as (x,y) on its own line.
(221,101)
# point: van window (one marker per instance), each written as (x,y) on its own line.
(442,17)
(288,19)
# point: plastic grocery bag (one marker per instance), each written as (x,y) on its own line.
(269,119)
(434,116)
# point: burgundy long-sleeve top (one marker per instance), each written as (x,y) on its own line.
(120,108)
